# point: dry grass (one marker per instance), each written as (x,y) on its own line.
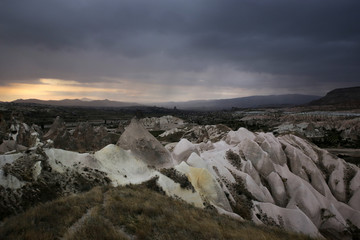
(131,211)
(95,227)
(52,219)
(243,198)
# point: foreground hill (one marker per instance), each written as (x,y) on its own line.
(340,96)
(131,212)
(244,102)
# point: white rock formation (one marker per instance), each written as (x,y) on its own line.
(290,182)
(10,181)
(355,182)
(259,158)
(277,189)
(183,150)
(212,133)
(11,146)
(354,201)
(289,219)
(170,132)
(4,159)
(206,185)
(235,137)
(304,200)
(144,145)
(162,123)
(270,144)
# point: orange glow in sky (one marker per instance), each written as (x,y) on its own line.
(121,90)
(49,89)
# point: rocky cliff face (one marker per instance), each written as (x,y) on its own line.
(19,136)
(289,180)
(27,179)
(144,145)
(283,181)
(325,128)
(330,133)
(83,138)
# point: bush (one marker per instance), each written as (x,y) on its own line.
(178,177)
(152,185)
(234,159)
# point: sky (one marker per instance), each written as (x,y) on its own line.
(176,50)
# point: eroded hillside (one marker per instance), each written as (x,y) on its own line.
(282,181)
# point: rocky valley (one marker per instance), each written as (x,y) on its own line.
(274,179)
(163,120)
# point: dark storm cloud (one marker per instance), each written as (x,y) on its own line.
(298,43)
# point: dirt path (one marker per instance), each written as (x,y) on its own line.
(73,229)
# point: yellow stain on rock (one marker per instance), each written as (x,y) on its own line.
(208,187)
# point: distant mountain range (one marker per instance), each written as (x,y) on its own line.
(244,102)
(340,96)
(202,105)
(78,103)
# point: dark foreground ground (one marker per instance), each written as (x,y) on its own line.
(130,212)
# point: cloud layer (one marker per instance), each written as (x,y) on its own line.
(235,46)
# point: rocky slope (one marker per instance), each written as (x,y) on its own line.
(195,134)
(340,96)
(144,145)
(325,128)
(162,123)
(19,136)
(283,181)
(83,138)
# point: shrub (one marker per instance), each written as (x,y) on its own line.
(234,159)
(152,184)
(178,177)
